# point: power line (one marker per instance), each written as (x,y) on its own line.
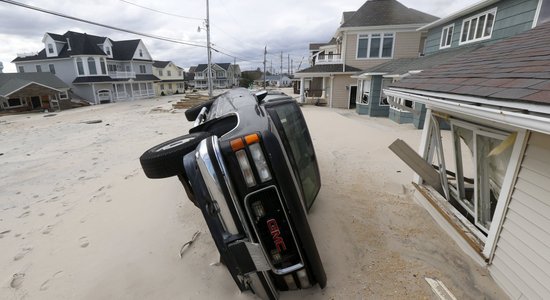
(102,25)
(161,12)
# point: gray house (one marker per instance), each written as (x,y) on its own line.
(224,75)
(377,32)
(96,68)
(481,24)
(32,91)
(487,180)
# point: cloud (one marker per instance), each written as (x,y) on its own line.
(239,27)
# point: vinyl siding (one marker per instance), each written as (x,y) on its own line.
(340,96)
(407,44)
(521,264)
(513,17)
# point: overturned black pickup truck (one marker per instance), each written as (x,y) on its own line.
(249,165)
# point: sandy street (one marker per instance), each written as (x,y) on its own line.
(79,219)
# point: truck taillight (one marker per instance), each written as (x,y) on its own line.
(258,157)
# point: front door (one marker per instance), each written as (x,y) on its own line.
(352,96)
(35,101)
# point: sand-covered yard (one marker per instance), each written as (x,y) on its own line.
(79,219)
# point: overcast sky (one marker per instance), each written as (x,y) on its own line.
(239,27)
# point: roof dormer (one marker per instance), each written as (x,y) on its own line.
(107,47)
(52,45)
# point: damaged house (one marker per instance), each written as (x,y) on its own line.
(486,181)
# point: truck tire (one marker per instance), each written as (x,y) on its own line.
(166,159)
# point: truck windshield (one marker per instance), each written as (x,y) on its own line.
(292,127)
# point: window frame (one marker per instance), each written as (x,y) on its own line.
(536,19)
(21,69)
(445,37)
(477,130)
(21,103)
(91,66)
(50,48)
(477,17)
(369,36)
(168,73)
(142,69)
(52,68)
(38,68)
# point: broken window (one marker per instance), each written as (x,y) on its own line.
(473,178)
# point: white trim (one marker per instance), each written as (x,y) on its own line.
(506,193)
(424,142)
(537,14)
(468,10)
(544,109)
(478,16)
(32,82)
(448,27)
(525,121)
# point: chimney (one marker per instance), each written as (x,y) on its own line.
(68,45)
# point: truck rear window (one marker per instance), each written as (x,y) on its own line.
(293,130)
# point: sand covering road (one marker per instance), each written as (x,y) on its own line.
(79,219)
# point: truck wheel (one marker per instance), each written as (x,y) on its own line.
(166,159)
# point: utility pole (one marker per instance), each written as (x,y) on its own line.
(234,71)
(291,66)
(209,49)
(281,75)
(265,54)
(288,64)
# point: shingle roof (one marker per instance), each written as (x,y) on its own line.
(403,65)
(332,68)
(85,44)
(125,50)
(202,67)
(10,82)
(160,63)
(347,15)
(386,12)
(517,68)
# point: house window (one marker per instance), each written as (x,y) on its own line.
(80,66)
(111,68)
(103,68)
(169,86)
(91,66)
(108,51)
(38,68)
(375,45)
(543,12)
(447,36)
(52,68)
(160,73)
(50,48)
(169,73)
(21,69)
(12,102)
(142,69)
(140,53)
(478,27)
(481,158)
(162,86)
(64,95)
(179,73)
(220,74)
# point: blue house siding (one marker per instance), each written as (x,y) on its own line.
(513,17)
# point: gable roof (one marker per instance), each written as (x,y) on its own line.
(125,50)
(385,12)
(160,64)
(202,67)
(85,44)
(515,69)
(12,82)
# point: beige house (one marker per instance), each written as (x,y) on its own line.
(171,78)
(224,75)
(377,32)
